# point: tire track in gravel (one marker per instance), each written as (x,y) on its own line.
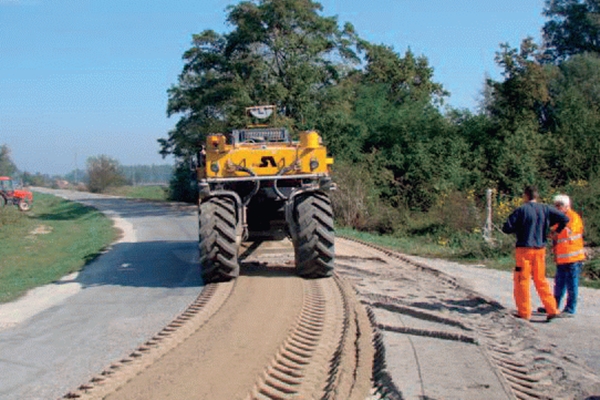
(384,327)
(450,340)
(180,329)
(266,335)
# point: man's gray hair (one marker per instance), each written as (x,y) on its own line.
(562,200)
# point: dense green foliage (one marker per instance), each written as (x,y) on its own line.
(405,164)
(573,27)
(280,52)
(7,166)
(182,186)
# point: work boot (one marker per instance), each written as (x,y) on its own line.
(516,315)
(550,317)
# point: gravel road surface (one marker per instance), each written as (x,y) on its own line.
(446,338)
(579,336)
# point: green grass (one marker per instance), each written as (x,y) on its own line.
(407,245)
(140,192)
(55,238)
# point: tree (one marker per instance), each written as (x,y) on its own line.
(7,166)
(410,78)
(524,90)
(409,147)
(520,113)
(573,28)
(35,180)
(280,52)
(103,172)
(183,186)
(574,147)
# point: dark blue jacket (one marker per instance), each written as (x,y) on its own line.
(531,222)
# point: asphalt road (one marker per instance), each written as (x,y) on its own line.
(76,327)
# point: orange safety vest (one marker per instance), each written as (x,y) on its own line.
(568,244)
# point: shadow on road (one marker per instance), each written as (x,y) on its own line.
(127,207)
(259,269)
(168,264)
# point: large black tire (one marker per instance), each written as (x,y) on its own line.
(315,236)
(217,240)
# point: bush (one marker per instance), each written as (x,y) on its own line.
(356,202)
(183,185)
(458,212)
(585,199)
(474,247)
(591,269)
(103,172)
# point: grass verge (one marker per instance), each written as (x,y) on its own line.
(55,238)
(157,192)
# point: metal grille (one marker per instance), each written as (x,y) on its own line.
(261,135)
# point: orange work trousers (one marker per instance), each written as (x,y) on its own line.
(531,262)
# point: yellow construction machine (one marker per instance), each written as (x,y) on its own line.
(258,184)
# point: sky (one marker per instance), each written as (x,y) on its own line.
(81,78)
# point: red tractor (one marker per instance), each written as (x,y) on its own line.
(9,195)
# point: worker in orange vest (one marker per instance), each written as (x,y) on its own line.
(531,223)
(569,255)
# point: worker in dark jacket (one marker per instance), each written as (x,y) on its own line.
(531,222)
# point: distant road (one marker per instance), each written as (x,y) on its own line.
(62,334)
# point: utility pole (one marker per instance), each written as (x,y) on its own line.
(76,178)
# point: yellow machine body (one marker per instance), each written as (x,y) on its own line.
(258,184)
(225,159)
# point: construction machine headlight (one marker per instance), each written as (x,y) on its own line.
(314,164)
(214,167)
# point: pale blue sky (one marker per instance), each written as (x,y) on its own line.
(79,78)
